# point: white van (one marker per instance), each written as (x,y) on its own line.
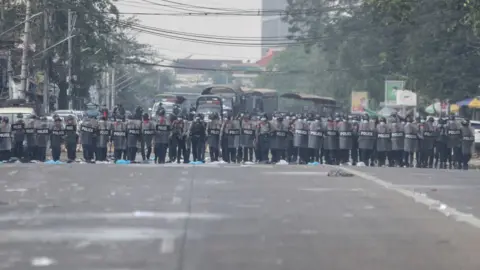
(11,112)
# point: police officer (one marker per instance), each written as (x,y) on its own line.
(18,134)
(162,137)
(198,134)
(354,120)
(467,143)
(383,141)
(31,138)
(300,139)
(427,130)
(398,142)
(330,143)
(43,135)
(291,150)
(454,142)
(441,149)
(178,146)
(5,140)
(247,137)
(213,140)
(148,131)
(188,121)
(57,136)
(231,130)
(411,141)
(71,138)
(88,131)
(278,139)
(119,137)
(262,140)
(345,140)
(133,137)
(103,137)
(366,139)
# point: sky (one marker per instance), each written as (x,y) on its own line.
(225,26)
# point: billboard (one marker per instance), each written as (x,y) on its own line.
(391,88)
(359,102)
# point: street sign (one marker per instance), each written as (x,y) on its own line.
(391,88)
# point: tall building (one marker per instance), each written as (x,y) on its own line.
(272,25)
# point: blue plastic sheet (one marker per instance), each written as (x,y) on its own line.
(196,162)
(313,163)
(54,162)
(122,161)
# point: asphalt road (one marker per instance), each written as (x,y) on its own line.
(210,217)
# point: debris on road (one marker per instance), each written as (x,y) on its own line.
(339,173)
(42,261)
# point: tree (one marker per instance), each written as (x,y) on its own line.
(429,43)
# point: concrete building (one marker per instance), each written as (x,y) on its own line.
(272,25)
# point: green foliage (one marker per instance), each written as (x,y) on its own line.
(356,46)
(101,40)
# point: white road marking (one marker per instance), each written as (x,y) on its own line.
(12,173)
(438,186)
(332,189)
(113,216)
(299,173)
(91,235)
(421,198)
(42,261)
(15,189)
(168,245)
(176,200)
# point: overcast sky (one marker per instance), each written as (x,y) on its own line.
(243,26)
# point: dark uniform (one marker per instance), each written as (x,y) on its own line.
(5,140)
(354,152)
(178,142)
(441,150)
(18,134)
(198,135)
(162,137)
(467,143)
(71,138)
(213,131)
(57,135)
(262,140)
(43,135)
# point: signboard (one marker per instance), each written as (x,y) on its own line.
(209,101)
(391,87)
(359,102)
(406,98)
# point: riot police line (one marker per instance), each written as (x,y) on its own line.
(298,139)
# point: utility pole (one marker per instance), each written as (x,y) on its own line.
(69,63)
(24,71)
(106,89)
(46,67)
(10,75)
(112,89)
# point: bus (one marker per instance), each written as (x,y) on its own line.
(261,100)
(233,97)
(324,106)
(208,104)
(168,100)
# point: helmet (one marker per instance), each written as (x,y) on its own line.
(145,116)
